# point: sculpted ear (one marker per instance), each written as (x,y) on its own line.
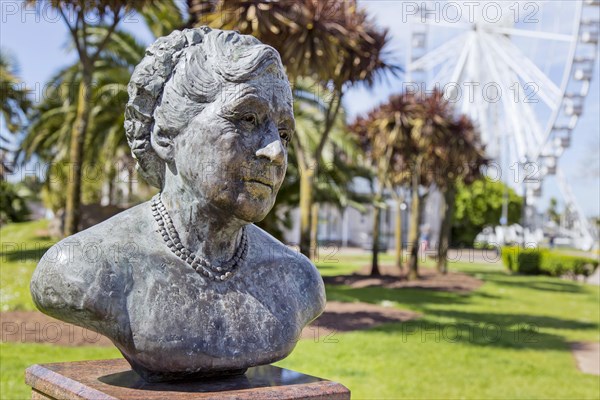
(163,145)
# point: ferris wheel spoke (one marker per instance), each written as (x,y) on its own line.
(549,92)
(460,65)
(533,133)
(527,33)
(438,55)
(499,75)
(471,105)
(527,70)
(530,66)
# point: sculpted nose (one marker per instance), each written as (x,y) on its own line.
(274,152)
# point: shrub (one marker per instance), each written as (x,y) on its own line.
(13,207)
(527,261)
(534,261)
(508,253)
(557,264)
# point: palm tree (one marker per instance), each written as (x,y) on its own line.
(460,161)
(14,105)
(339,155)
(49,134)
(416,141)
(384,134)
(89,49)
(330,41)
(442,151)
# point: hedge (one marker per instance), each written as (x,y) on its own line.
(535,261)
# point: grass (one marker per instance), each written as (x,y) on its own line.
(507,340)
(16,357)
(21,247)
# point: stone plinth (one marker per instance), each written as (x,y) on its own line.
(114,379)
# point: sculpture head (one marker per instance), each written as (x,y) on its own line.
(210,116)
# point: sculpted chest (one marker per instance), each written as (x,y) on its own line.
(164,300)
(180,321)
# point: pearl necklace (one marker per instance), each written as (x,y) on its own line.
(200,264)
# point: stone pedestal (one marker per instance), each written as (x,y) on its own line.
(114,379)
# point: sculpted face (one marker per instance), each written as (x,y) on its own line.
(233,155)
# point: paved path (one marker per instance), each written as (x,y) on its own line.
(594,279)
(587,356)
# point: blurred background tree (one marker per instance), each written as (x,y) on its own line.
(479,205)
(383,135)
(15,103)
(91,31)
(553,213)
(460,160)
(417,141)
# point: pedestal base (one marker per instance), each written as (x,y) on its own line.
(114,379)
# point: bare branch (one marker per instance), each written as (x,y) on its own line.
(111,29)
(73,30)
(81,18)
(329,121)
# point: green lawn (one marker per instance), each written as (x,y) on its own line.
(507,340)
(21,247)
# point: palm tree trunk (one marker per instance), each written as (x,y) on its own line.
(111,174)
(314,231)
(398,227)
(306,200)
(130,172)
(376,231)
(413,234)
(415,222)
(308,175)
(444,240)
(72,212)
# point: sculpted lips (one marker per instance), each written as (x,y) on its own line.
(261,181)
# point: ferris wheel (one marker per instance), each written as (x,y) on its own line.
(521,70)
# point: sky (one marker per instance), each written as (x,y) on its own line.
(40,44)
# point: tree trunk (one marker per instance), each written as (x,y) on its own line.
(130,173)
(376,231)
(314,232)
(308,175)
(111,174)
(78,134)
(398,227)
(306,200)
(445,230)
(413,234)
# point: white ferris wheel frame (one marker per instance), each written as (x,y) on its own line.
(506,64)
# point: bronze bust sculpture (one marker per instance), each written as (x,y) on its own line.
(201,291)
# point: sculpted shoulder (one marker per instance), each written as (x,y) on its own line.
(86,277)
(297,269)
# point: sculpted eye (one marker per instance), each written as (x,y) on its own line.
(285,136)
(250,119)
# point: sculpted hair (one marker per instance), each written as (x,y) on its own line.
(178,76)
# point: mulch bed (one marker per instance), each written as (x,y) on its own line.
(35,327)
(340,317)
(392,278)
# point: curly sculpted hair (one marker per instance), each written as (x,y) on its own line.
(179,75)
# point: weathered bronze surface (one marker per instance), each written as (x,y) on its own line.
(185,285)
